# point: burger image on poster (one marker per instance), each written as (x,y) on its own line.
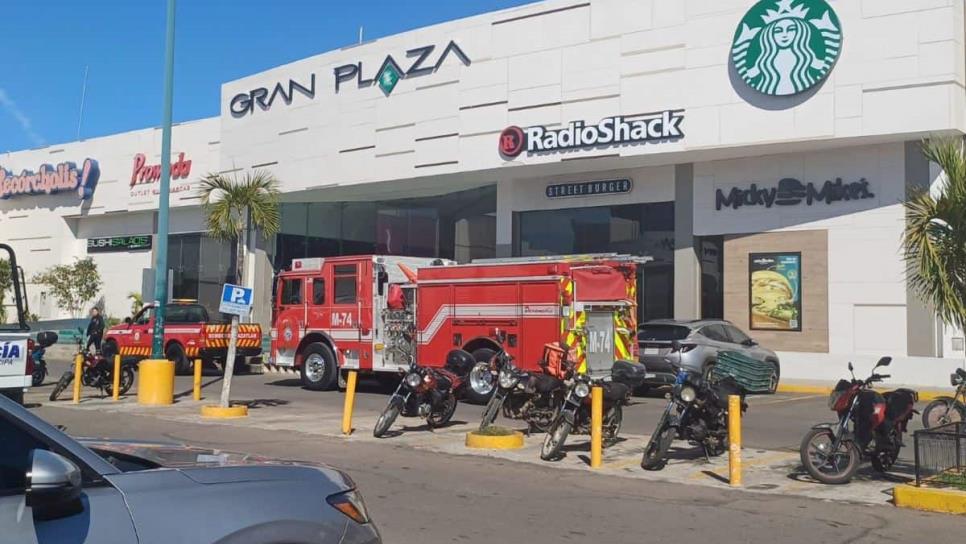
(773,300)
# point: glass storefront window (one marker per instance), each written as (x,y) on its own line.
(200,265)
(711,258)
(634,229)
(459,226)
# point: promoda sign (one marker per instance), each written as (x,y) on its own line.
(659,127)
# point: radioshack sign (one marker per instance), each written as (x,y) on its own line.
(51,179)
(612,131)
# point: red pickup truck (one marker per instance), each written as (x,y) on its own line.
(188,334)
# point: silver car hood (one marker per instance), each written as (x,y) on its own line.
(203,464)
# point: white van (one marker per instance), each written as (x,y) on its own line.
(16,365)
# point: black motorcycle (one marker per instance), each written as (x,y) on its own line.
(429,393)
(532,397)
(945,410)
(574,415)
(44,340)
(696,411)
(98,372)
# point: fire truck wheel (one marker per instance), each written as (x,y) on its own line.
(175,354)
(481,380)
(319,372)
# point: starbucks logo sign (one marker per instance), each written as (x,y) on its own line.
(786,47)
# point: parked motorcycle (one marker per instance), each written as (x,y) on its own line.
(573,415)
(429,393)
(696,411)
(945,410)
(44,340)
(831,452)
(98,372)
(532,397)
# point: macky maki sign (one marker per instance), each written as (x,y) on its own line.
(786,47)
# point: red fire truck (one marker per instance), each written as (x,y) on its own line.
(376,313)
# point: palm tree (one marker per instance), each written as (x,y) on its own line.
(231,208)
(137,302)
(935,234)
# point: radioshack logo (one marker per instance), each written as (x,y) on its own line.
(512,141)
(656,127)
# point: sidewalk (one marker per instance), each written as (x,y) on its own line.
(818,387)
(765,471)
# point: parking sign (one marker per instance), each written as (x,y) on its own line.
(235,299)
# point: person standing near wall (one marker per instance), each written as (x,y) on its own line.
(95,329)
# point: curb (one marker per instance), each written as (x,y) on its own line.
(816,389)
(217,412)
(488,442)
(947,501)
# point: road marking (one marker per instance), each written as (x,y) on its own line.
(790,399)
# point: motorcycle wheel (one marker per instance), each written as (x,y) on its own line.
(62,384)
(127,380)
(655,453)
(839,470)
(438,418)
(37,378)
(554,441)
(492,410)
(939,412)
(882,460)
(612,423)
(387,417)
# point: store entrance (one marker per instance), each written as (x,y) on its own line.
(633,229)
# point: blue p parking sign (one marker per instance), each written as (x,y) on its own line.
(235,299)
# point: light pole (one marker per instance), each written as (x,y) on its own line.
(161,263)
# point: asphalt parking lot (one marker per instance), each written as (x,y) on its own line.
(426,487)
(775,422)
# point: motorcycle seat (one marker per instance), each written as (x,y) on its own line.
(615,391)
(544,383)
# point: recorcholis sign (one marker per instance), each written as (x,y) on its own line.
(48,180)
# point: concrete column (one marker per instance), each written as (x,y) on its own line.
(921,322)
(687,268)
(504,218)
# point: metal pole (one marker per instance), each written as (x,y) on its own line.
(196,384)
(116,391)
(349,404)
(161,264)
(80,115)
(734,440)
(596,425)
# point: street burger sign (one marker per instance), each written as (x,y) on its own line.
(611,131)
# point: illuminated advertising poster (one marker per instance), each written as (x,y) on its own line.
(776,291)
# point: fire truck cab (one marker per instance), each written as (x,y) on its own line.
(330,314)
(379,313)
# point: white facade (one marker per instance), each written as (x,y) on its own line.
(900,76)
(47,230)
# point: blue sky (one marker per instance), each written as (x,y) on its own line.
(47,43)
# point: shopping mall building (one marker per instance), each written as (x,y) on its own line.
(759,152)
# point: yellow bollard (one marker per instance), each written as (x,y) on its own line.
(350,400)
(78,370)
(197,380)
(734,439)
(596,425)
(155,382)
(116,390)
